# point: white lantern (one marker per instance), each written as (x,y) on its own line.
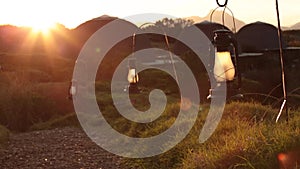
(72,89)
(132,76)
(223,68)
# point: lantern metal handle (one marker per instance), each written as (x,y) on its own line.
(233,41)
(223,16)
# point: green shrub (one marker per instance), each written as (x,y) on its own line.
(21,106)
(4,135)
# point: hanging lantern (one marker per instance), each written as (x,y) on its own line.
(225,66)
(72,89)
(132,77)
(224,69)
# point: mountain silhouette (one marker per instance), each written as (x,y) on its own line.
(295,26)
(86,29)
(217,17)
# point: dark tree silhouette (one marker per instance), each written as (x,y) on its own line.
(170,26)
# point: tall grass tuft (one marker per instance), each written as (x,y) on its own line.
(240,141)
(21,106)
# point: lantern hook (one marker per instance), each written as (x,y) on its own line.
(222,5)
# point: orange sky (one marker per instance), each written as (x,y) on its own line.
(72,13)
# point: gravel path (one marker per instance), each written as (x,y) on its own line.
(57,148)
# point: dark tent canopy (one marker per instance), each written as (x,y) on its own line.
(206,27)
(257,37)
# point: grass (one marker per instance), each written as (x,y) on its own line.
(24,103)
(238,142)
(241,139)
(63,121)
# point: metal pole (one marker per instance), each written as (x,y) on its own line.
(282,67)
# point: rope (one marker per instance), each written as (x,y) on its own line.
(171,57)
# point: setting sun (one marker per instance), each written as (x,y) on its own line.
(43,28)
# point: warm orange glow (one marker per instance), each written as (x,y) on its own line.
(132,76)
(223,69)
(281,157)
(44,28)
(185,104)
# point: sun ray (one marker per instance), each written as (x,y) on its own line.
(42,27)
